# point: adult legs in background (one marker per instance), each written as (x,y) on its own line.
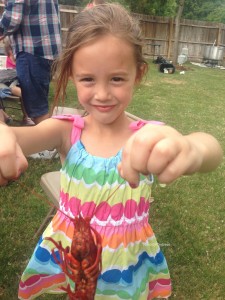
(16,91)
(34,74)
(4,117)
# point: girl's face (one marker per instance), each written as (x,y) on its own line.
(104,73)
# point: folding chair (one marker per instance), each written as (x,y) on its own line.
(11,99)
(50,183)
(7,77)
(62,110)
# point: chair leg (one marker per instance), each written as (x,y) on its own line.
(2,104)
(54,154)
(45,221)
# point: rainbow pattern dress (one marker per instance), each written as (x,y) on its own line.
(133,266)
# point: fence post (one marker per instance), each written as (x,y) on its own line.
(219,34)
(170,37)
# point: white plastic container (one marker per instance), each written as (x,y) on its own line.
(3,62)
(182,58)
(184,51)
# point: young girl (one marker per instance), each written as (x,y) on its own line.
(104,156)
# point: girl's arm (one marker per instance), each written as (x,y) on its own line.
(12,160)
(163,151)
(18,142)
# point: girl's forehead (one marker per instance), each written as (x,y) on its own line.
(107,42)
(107,53)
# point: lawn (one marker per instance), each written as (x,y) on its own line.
(188,216)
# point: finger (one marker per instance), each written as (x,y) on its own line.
(125,169)
(184,163)
(176,168)
(136,153)
(162,154)
(173,171)
(21,162)
(13,165)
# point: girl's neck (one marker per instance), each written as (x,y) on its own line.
(108,128)
(105,140)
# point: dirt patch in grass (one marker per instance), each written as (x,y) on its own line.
(147,83)
(183,68)
(173,81)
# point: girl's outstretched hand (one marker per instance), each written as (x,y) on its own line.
(12,160)
(163,151)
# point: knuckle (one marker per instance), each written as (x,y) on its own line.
(171,174)
(24,165)
(163,150)
(125,154)
(140,141)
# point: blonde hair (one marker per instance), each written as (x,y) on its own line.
(89,25)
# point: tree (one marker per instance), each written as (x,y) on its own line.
(217,15)
(153,7)
(148,7)
(205,10)
(208,10)
(177,30)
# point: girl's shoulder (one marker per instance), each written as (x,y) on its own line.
(78,125)
(136,125)
(76,119)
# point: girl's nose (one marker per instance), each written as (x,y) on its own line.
(102,92)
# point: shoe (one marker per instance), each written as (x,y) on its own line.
(27,122)
(14,83)
(9,121)
(46,154)
(5,93)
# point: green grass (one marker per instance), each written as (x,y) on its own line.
(188,216)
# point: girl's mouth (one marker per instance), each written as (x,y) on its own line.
(102,108)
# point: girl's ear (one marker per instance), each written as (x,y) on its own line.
(141,71)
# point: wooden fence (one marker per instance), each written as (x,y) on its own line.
(159,33)
(194,35)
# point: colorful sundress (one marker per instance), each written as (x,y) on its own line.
(133,266)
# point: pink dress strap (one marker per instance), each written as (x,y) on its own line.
(136,125)
(78,125)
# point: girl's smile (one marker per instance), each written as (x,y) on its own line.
(105,108)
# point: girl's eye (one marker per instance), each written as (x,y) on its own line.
(87,79)
(117,79)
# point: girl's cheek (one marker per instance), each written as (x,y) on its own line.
(83,97)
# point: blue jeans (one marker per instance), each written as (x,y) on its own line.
(34,75)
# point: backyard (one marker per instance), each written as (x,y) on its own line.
(187,216)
